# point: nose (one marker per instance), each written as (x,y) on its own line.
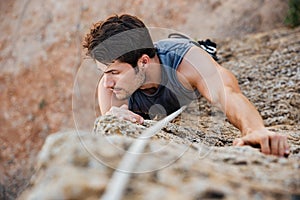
(108,82)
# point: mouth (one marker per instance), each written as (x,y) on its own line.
(117,90)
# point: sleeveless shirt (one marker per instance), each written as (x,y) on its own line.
(170,94)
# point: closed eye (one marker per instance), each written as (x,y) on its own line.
(114,72)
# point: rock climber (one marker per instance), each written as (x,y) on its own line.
(142,79)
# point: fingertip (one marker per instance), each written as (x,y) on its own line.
(137,120)
(286,149)
(286,153)
(235,141)
(238,142)
(141,121)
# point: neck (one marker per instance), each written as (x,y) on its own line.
(153,74)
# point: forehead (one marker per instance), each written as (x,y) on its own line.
(102,66)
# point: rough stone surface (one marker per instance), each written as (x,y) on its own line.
(40,52)
(192,157)
(275,55)
(78,165)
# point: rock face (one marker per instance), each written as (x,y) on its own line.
(40,53)
(274,55)
(191,157)
(79,165)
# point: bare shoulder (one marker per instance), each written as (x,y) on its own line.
(201,71)
(195,66)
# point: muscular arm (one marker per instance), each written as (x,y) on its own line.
(220,87)
(238,109)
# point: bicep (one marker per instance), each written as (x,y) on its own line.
(107,99)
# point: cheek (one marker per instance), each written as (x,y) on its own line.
(128,78)
(121,82)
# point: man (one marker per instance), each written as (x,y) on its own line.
(141,80)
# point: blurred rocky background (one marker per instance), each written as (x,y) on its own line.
(40,54)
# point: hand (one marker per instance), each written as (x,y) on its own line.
(269,141)
(123,113)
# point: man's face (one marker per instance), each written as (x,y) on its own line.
(122,79)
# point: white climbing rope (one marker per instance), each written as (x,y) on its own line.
(119,180)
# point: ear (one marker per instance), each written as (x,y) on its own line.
(143,60)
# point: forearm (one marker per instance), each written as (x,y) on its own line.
(241,112)
(251,125)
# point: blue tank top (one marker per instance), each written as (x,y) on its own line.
(171,94)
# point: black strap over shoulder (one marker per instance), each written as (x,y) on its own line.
(209,46)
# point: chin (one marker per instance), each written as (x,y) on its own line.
(121,97)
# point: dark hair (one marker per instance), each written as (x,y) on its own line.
(124,38)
